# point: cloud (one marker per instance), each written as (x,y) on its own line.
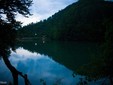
(42,9)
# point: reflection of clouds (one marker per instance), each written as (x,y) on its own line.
(39,66)
(25,54)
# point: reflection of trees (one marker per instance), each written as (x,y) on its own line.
(8,26)
(102,65)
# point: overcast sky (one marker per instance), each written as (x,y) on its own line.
(42,9)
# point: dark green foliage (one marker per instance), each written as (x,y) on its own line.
(81,21)
(9,8)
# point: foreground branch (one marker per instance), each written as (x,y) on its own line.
(15,72)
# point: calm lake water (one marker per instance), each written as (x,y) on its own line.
(53,63)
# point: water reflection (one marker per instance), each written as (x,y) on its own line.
(39,67)
(70,54)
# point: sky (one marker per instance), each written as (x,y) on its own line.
(42,9)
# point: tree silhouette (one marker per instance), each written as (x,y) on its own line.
(8,25)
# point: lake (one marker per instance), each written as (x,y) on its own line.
(49,63)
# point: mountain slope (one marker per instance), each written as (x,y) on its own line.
(85,20)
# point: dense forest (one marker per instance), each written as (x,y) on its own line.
(85,20)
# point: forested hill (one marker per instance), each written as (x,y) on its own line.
(85,20)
